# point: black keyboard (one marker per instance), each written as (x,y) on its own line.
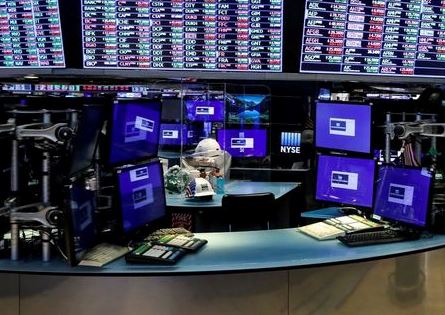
(375,237)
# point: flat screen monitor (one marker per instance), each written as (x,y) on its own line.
(86,138)
(171,109)
(134,130)
(343,127)
(370,37)
(141,196)
(286,146)
(211,110)
(248,108)
(403,195)
(210,36)
(345,180)
(175,135)
(243,142)
(80,223)
(31,34)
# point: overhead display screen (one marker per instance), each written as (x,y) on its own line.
(30,34)
(386,37)
(218,35)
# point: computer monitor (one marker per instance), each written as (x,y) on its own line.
(175,135)
(403,195)
(80,224)
(134,130)
(243,142)
(202,110)
(343,127)
(286,146)
(83,146)
(248,108)
(171,109)
(141,196)
(345,180)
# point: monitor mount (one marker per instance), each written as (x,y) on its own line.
(47,136)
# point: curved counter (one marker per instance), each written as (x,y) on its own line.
(243,252)
(263,272)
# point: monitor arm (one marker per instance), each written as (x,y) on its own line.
(47,216)
(58,133)
(7,129)
(403,130)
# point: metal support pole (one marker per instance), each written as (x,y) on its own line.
(15,241)
(15,166)
(388,140)
(46,250)
(418,146)
(46,158)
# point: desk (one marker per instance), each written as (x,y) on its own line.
(205,216)
(258,272)
(279,189)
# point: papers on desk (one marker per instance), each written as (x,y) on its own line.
(332,228)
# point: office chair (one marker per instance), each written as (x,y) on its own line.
(246,212)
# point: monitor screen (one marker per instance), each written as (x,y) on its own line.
(211,35)
(80,231)
(85,141)
(286,146)
(142,195)
(248,108)
(243,143)
(175,135)
(345,180)
(134,130)
(403,195)
(372,37)
(30,34)
(198,110)
(344,127)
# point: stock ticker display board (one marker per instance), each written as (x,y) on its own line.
(215,35)
(385,37)
(30,34)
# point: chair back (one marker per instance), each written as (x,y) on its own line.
(246,212)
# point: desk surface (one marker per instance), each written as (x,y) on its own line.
(241,252)
(233,187)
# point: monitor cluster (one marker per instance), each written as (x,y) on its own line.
(132,146)
(346,174)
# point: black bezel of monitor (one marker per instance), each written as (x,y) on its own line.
(335,150)
(367,209)
(68,223)
(142,230)
(429,201)
(105,154)
(100,109)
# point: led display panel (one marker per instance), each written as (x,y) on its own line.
(30,34)
(374,37)
(214,35)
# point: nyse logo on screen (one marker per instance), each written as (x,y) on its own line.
(142,196)
(344,180)
(290,142)
(401,194)
(242,143)
(342,127)
(205,110)
(139,174)
(170,134)
(144,124)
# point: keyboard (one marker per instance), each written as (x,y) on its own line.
(182,241)
(375,237)
(148,253)
(321,231)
